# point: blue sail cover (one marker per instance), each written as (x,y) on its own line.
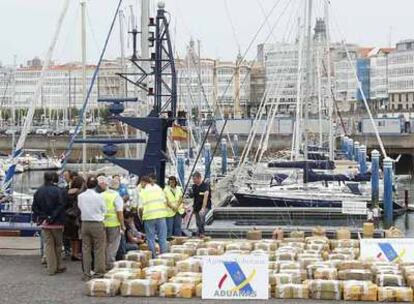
(312,164)
(316,177)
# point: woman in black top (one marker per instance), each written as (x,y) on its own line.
(72,223)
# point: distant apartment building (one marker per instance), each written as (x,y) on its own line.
(62,87)
(281,69)
(233,88)
(378,90)
(257,88)
(212,87)
(401,77)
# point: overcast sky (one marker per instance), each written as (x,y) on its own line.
(223,26)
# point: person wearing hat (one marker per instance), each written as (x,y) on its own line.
(114,219)
(174,195)
(154,212)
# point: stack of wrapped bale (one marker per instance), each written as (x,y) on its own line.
(183,285)
(360,291)
(142,257)
(102,287)
(139,288)
(325,289)
(123,274)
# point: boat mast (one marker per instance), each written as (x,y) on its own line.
(83,43)
(329,84)
(145,10)
(309,86)
(299,105)
(124,91)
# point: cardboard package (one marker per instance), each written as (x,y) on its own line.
(254,235)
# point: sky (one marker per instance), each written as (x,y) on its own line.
(224,27)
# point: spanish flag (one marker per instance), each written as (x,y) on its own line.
(179,133)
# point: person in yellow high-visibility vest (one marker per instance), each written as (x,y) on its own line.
(114,221)
(154,212)
(174,195)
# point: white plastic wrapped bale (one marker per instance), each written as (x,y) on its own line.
(284,278)
(182,249)
(289,265)
(317,240)
(187,277)
(161,262)
(244,246)
(354,264)
(393,280)
(173,256)
(208,251)
(177,290)
(292,291)
(160,274)
(306,261)
(139,256)
(189,265)
(353,252)
(299,245)
(236,252)
(139,288)
(102,287)
(285,256)
(344,244)
(317,247)
(273,265)
(219,245)
(266,245)
(395,294)
(340,257)
(300,272)
(360,291)
(325,274)
(310,269)
(126,264)
(123,274)
(325,289)
(356,274)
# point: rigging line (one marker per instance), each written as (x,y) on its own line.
(262,9)
(94,76)
(236,40)
(259,115)
(377,135)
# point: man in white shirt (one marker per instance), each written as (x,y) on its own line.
(93,210)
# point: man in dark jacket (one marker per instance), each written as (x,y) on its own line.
(49,211)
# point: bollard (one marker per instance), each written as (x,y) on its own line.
(356,151)
(236,146)
(346,141)
(351,149)
(207,160)
(363,159)
(375,156)
(343,138)
(181,169)
(223,156)
(388,207)
(191,152)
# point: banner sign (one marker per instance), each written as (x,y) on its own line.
(388,250)
(236,277)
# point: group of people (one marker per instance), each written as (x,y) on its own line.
(95,219)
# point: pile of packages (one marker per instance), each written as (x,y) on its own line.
(299,268)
